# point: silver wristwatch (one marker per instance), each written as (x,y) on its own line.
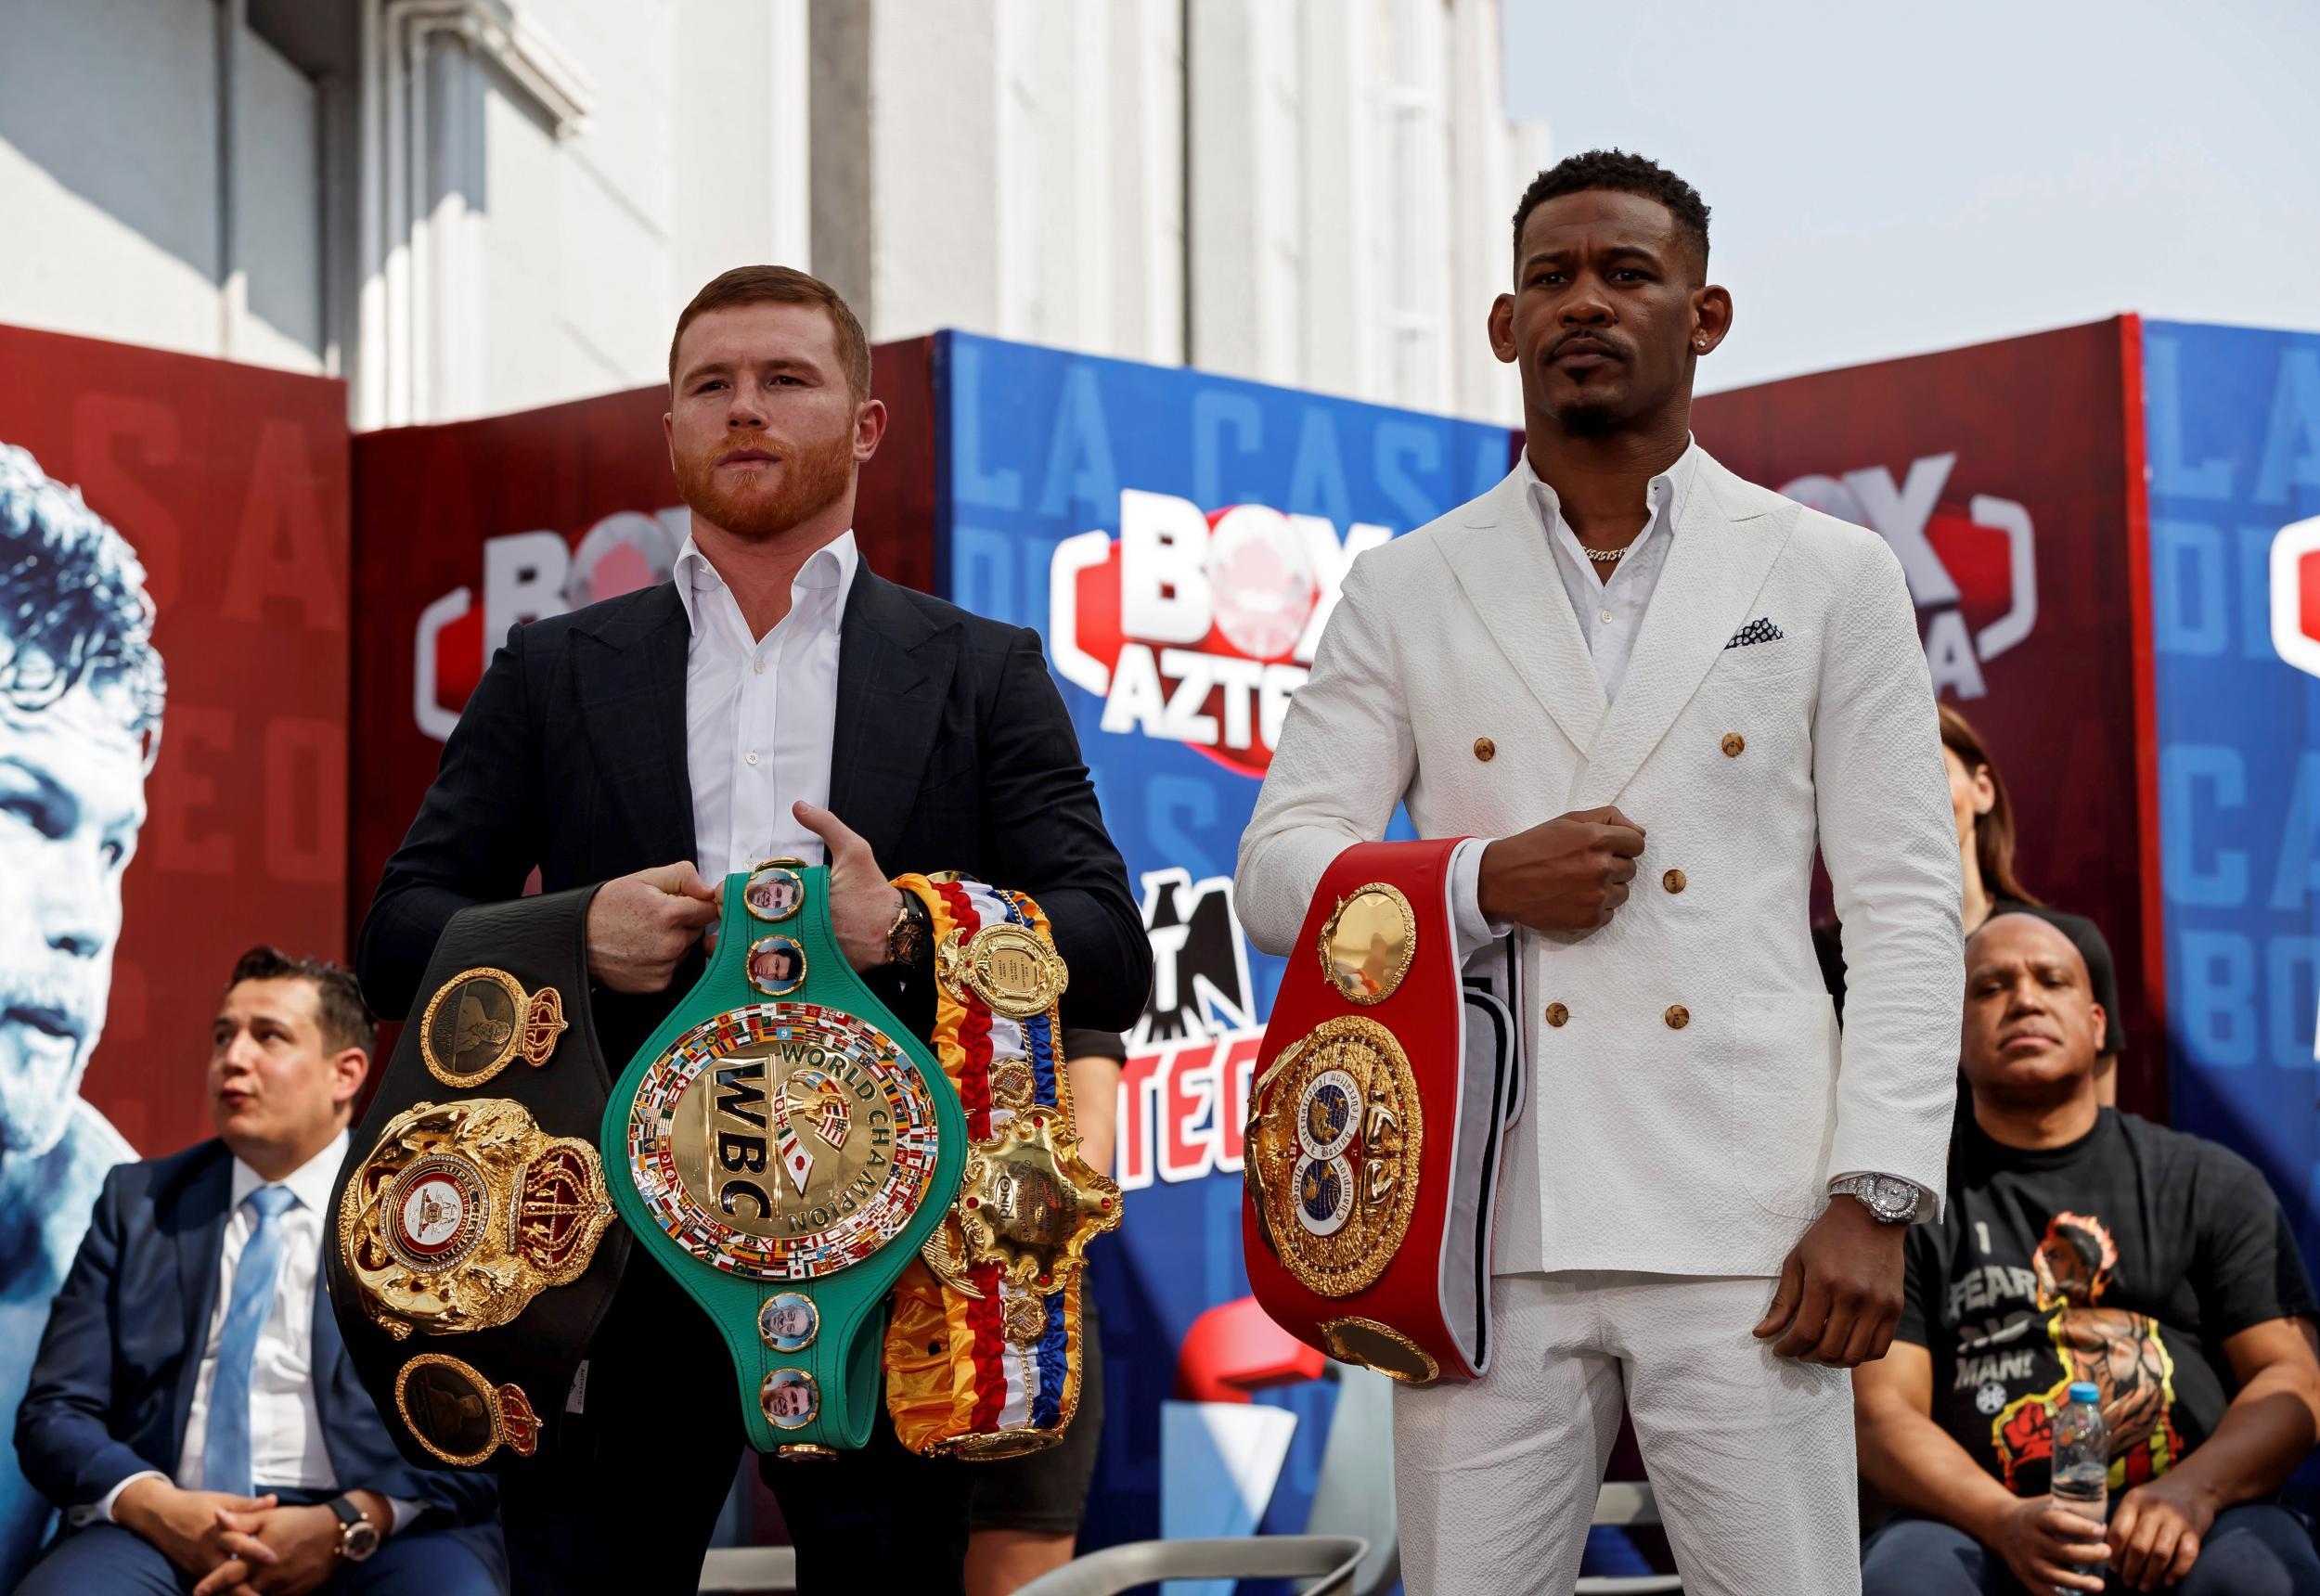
(1891,1199)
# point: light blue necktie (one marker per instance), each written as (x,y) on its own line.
(225,1449)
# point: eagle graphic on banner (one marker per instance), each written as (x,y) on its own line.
(1200,984)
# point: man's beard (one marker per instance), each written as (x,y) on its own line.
(811,478)
(1589,418)
(39,1082)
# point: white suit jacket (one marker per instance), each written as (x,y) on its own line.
(1690,1093)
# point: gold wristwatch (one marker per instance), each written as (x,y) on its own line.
(358,1538)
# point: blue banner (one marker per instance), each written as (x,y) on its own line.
(2232,436)
(1178,539)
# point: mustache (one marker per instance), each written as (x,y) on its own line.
(66,1001)
(1618,347)
(739,443)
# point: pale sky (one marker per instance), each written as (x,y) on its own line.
(1888,179)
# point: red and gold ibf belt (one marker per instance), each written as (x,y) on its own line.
(983,1351)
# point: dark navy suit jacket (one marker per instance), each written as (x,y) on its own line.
(114,1379)
(952,750)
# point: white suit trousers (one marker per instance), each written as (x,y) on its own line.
(1751,1456)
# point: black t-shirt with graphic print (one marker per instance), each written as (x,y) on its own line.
(2126,1259)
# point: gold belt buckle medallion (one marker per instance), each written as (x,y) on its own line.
(1367,943)
(1380,1347)
(1008,967)
(783,1140)
(459,1415)
(1031,1203)
(466,1211)
(1336,1130)
(482,1020)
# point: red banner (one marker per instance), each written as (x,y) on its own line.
(2001,475)
(229,483)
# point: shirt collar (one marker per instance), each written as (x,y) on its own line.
(1665,492)
(312,1182)
(831,566)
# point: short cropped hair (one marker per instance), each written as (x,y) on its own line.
(782,285)
(1623,173)
(73,608)
(345,1018)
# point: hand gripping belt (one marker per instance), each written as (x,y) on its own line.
(783,1148)
(472,1252)
(1384,1088)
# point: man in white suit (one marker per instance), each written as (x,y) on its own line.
(1622,627)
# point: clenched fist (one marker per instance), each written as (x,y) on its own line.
(1565,874)
(640,927)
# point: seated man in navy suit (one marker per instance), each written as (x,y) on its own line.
(192,1410)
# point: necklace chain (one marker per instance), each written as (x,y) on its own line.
(1604,556)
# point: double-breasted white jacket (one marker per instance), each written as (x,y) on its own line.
(1691,1093)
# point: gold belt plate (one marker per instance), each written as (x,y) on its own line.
(459,1415)
(1008,968)
(1335,1132)
(482,1020)
(783,1140)
(1030,1203)
(466,1211)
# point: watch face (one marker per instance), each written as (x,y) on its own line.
(359,1541)
(1893,1198)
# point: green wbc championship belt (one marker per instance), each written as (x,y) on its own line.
(783,1147)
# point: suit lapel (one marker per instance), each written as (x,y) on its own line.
(1508,574)
(1723,549)
(630,681)
(895,666)
(199,1222)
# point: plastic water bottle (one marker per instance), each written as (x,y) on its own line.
(2081,1460)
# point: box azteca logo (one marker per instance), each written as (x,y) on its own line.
(1972,567)
(1196,627)
(527,575)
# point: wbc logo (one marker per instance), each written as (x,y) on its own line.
(1972,567)
(1197,626)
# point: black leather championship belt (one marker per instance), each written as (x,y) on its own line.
(474,1249)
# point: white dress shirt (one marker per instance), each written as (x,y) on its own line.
(1610,613)
(285,1442)
(760,713)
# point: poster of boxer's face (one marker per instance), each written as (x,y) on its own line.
(80,720)
(153,825)
(81,699)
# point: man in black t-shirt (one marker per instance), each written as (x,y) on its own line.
(2079,1244)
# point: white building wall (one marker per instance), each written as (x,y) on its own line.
(1348,160)
(472,206)
(277,318)
(936,125)
(742,120)
(113,216)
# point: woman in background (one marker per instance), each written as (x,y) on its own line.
(1025,1516)
(1985,853)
